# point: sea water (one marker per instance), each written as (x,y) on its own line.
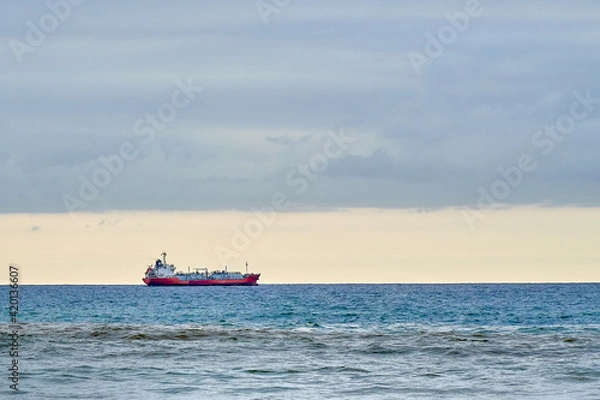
(492,341)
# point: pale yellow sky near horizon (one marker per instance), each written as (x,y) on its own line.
(522,244)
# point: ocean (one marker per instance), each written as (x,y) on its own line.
(463,341)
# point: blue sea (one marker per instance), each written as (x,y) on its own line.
(487,341)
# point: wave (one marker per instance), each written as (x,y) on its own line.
(347,360)
(407,333)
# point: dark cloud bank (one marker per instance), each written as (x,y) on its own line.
(108,76)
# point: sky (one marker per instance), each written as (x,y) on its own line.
(522,244)
(204,110)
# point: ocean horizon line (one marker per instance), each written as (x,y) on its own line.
(348,283)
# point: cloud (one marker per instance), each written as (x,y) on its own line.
(272,92)
(285,140)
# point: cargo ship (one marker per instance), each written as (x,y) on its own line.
(163,274)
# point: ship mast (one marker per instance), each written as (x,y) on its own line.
(164,257)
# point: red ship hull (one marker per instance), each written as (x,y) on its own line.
(250,280)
